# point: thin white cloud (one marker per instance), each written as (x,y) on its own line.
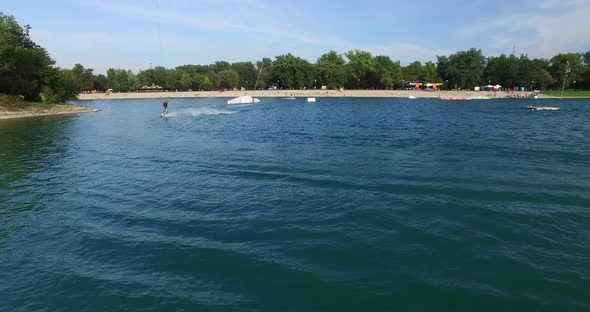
(550,27)
(409,52)
(217,24)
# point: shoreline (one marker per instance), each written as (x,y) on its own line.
(296,93)
(29,110)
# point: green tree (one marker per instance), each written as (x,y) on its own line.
(228,79)
(99,82)
(413,72)
(133,82)
(118,79)
(197,80)
(429,72)
(331,70)
(186,81)
(465,68)
(22,62)
(83,77)
(586,71)
(389,73)
(219,66)
(206,84)
(442,69)
(247,72)
(159,77)
(173,80)
(264,73)
(360,68)
(58,86)
(292,72)
(559,65)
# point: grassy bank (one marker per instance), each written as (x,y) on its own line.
(16,103)
(568,93)
(15,107)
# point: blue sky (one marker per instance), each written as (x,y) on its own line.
(124,33)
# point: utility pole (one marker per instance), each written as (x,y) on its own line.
(259,71)
(567,71)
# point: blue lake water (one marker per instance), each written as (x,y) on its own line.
(342,205)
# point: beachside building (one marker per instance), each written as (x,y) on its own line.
(422,85)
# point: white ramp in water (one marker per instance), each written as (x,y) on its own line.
(246,99)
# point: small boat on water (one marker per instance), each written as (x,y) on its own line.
(310,100)
(411,97)
(456,98)
(246,99)
(540,108)
(290,98)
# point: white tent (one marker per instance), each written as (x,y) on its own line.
(246,99)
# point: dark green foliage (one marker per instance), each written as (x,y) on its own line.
(247,74)
(331,70)
(264,75)
(22,62)
(291,72)
(26,68)
(465,68)
(361,69)
(59,86)
(228,79)
(389,74)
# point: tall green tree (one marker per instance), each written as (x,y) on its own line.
(389,73)
(118,79)
(361,69)
(413,72)
(331,70)
(264,73)
(292,72)
(133,82)
(465,68)
(206,84)
(58,85)
(23,63)
(83,77)
(247,72)
(429,72)
(561,63)
(99,82)
(228,79)
(442,69)
(186,81)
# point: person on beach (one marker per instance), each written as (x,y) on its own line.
(165,104)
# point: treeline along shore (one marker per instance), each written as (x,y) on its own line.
(300,94)
(353,70)
(28,71)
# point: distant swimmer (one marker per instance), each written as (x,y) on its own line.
(165,111)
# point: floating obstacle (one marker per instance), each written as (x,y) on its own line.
(540,108)
(246,99)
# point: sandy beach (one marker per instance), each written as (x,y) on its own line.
(22,111)
(296,93)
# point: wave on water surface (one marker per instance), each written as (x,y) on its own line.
(196,112)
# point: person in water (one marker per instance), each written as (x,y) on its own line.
(165,104)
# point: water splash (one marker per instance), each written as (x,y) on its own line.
(196,112)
